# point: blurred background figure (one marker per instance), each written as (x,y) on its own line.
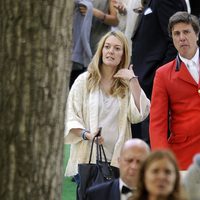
(92,19)
(159,178)
(191,179)
(128,11)
(152,47)
(132,154)
(194,7)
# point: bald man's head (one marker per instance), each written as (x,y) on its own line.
(133,153)
(135,143)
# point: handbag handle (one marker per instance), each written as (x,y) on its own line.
(109,173)
(91,149)
(100,149)
(104,155)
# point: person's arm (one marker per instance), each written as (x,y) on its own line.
(134,86)
(159,112)
(109,18)
(135,90)
(139,101)
(120,6)
(86,135)
(83,133)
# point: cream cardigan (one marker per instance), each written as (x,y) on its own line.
(82,112)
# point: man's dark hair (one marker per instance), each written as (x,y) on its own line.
(183,17)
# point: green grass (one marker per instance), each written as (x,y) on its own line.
(69,187)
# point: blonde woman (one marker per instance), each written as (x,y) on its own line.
(108,95)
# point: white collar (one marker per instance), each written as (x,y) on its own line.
(121,184)
(195,58)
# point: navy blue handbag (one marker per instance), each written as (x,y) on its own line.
(94,173)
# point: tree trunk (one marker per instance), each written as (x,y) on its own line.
(35,46)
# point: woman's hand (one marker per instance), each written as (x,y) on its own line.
(119,6)
(82,9)
(99,137)
(100,140)
(126,74)
(134,86)
(90,136)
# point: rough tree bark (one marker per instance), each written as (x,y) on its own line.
(35,43)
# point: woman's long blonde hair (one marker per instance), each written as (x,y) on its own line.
(119,86)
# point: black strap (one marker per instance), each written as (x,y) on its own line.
(91,150)
(100,150)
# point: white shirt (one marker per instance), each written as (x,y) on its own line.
(192,65)
(123,196)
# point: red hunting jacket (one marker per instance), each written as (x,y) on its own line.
(175,112)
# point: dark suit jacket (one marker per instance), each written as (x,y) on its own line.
(195,9)
(151,45)
(104,191)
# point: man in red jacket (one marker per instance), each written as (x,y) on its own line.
(175,105)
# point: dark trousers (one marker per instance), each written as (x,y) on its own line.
(77,69)
(141,130)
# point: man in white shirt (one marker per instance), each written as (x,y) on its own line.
(132,155)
